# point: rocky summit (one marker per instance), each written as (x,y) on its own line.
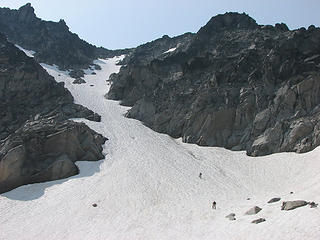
(52,42)
(233,84)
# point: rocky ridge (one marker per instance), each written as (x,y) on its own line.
(234,84)
(46,146)
(27,90)
(52,42)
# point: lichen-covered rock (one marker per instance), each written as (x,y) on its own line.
(44,150)
(234,84)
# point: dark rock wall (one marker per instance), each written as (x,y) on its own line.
(44,150)
(52,41)
(234,84)
(47,146)
(27,90)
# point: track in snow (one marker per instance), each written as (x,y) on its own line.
(148,186)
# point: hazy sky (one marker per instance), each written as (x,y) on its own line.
(128,23)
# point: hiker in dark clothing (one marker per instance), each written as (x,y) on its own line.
(214,205)
(200,175)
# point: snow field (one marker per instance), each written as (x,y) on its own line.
(148,186)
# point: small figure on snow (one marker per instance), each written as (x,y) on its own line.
(200,175)
(214,205)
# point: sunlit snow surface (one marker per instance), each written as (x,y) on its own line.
(170,50)
(148,186)
(29,53)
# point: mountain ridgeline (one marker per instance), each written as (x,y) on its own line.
(52,42)
(233,84)
(37,142)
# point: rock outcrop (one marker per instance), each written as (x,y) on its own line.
(234,84)
(44,150)
(27,90)
(52,42)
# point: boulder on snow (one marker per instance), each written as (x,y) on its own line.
(94,205)
(313,205)
(79,81)
(231,216)
(272,200)
(259,220)
(78,73)
(290,205)
(253,210)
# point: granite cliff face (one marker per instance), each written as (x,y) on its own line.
(36,142)
(52,41)
(27,90)
(46,145)
(234,84)
(44,150)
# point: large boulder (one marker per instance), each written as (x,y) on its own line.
(79,81)
(259,220)
(273,200)
(253,210)
(290,205)
(45,150)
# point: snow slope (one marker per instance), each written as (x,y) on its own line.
(29,53)
(148,186)
(170,50)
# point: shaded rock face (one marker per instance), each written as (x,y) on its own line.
(52,41)
(234,84)
(27,91)
(44,150)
